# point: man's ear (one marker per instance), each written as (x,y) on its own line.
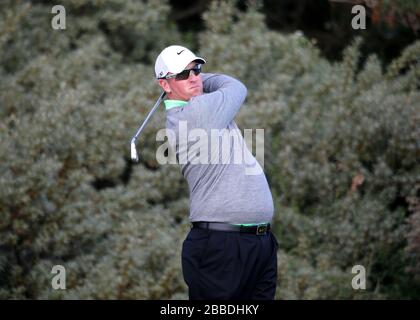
(164,85)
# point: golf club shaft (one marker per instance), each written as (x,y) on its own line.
(134,155)
(148,116)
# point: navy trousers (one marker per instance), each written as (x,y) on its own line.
(220,265)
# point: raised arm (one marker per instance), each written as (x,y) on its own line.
(223,97)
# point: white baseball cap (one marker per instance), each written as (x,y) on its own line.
(174,59)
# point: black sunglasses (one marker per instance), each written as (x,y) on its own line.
(185,74)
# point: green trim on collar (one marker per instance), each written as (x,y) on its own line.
(169,104)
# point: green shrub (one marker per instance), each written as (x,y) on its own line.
(341,150)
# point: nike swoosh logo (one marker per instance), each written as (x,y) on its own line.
(178,53)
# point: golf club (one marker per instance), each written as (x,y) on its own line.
(134,155)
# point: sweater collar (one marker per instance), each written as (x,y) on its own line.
(169,104)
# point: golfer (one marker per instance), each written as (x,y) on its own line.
(229,253)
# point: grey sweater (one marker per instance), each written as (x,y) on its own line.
(224,190)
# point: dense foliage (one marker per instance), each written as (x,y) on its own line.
(341,154)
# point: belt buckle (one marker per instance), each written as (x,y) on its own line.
(261,229)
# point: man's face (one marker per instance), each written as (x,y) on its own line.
(183,89)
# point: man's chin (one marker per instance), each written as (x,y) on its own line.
(196,91)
